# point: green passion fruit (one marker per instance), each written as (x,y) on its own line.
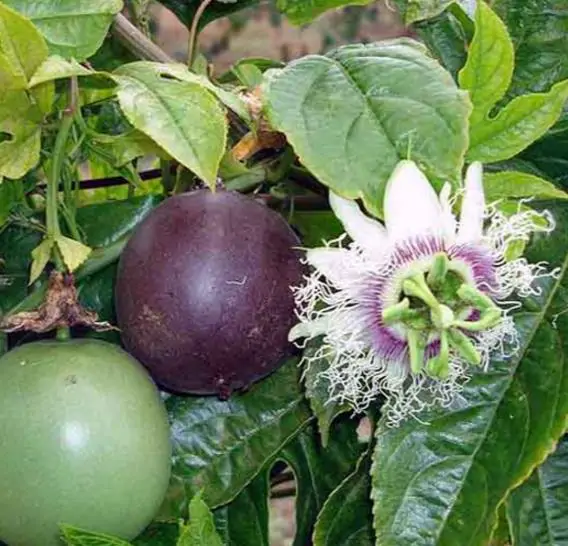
(203,294)
(84,440)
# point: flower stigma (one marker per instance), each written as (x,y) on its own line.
(410,307)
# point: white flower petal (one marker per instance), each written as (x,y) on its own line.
(365,231)
(334,263)
(448,218)
(473,206)
(412,207)
(309,329)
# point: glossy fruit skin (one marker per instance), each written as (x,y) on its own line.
(84,440)
(203,292)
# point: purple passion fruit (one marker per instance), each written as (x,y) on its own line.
(84,440)
(203,294)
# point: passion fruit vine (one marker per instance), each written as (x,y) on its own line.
(84,439)
(203,292)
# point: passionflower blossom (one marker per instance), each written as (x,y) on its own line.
(409,308)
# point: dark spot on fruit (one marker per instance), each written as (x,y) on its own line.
(71,380)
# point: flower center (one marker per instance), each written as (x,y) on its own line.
(430,306)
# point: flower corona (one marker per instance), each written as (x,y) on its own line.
(409,307)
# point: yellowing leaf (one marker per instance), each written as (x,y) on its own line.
(21,43)
(40,257)
(55,67)
(20,126)
(73,252)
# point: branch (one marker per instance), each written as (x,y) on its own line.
(135,41)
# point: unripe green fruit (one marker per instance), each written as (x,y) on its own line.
(84,440)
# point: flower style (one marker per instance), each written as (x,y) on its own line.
(406,309)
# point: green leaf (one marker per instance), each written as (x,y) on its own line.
(73,252)
(518,185)
(200,531)
(20,120)
(183,118)
(317,393)
(301,12)
(346,518)
(487,75)
(245,520)
(446,38)
(413,11)
(220,446)
(21,44)
(537,509)
(181,73)
(524,120)
(118,150)
(548,154)
(318,471)
(40,257)
(540,33)
(489,67)
(73,536)
(315,227)
(72,28)
(440,479)
(353,115)
(56,67)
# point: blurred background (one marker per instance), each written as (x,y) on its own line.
(263,32)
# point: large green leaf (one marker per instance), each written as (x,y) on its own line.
(538,509)
(540,33)
(353,115)
(346,518)
(245,520)
(72,28)
(440,479)
(487,75)
(318,470)
(220,446)
(301,12)
(183,118)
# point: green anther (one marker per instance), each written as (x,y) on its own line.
(396,313)
(470,294)
(442,317)
(416,348)
(416,286)
(464,346)
(439,366)
(489,318)
(439,270)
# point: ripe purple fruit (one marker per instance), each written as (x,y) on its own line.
(203,293)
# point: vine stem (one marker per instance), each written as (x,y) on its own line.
(136,42)
(193,33)
(52,220)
